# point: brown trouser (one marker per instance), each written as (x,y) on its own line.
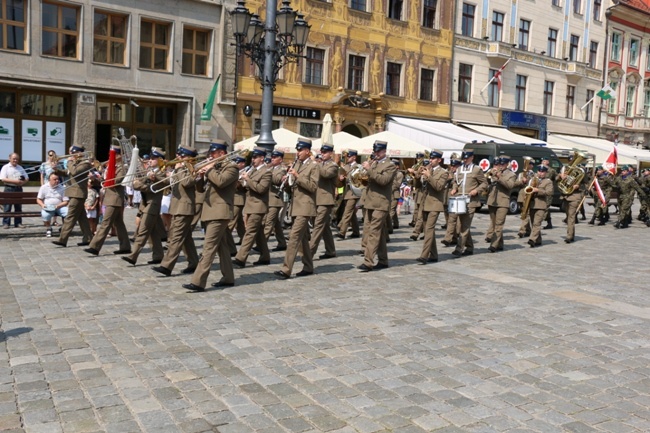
(322,230)
(429,249)
(179,237)
(215,231)
(113,216)
(376,228)
(298,240)
(76,213)
(254,235)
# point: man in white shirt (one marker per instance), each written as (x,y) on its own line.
(52,200)
(14,177)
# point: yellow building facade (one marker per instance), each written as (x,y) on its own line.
(364,59)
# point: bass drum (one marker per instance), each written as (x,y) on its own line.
(458,205)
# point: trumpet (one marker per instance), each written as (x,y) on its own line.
(84,155)
(286,179)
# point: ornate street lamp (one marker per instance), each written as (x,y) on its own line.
(280,40)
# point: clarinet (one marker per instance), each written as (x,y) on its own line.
(281,187)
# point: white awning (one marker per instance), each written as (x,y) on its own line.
(398,147)
(503,133)
(441,136)
(342,140)
(286,141)
(601,148)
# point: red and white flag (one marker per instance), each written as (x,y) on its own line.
(612,161)
(496,77)
(600,193)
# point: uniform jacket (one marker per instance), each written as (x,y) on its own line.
(219,184)
(240,194)
(328,173)
(183,196)
(380,185)
(436,187)
(78,171)
(397,183)
(303,201)
(114,196)
(499,195)
(151,201)
(257,194)
(277,173)
(545,189)
(473,178)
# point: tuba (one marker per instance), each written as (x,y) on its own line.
(525,207)
(358,179)
(342,173)
(574,173)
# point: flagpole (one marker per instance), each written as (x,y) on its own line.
(588,102)
(495,75)
(584,197)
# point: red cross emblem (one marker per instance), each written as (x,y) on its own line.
(484,164)
(514,166)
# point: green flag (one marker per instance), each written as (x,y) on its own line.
(206,114)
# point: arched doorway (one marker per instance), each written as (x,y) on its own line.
(356,130)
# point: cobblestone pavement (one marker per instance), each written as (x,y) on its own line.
(550,339)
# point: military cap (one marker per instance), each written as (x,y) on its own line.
(239,159)
(435,154)
(277,153)
(419,155)
(157,152)
(455,162)
(258,151)
(145,157)
(467,154)
(218,145)
(116,148)
(542,168)
(326,148)
(352,153)
(544,158)
(380,145)
(505,159)
(303,143)
(186,151)
(76,149)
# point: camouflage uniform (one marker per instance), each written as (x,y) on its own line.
(601,210)
(626,185)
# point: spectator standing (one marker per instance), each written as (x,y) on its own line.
(14,177)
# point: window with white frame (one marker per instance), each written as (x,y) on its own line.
(464,82)
(570,101)
(574,43)
(590,106)
(497,26)
(647,59)
(629,101)
(548,97)
(356,72)
(310,129)
(593,54)
(396,9)
(556,3)
(393,78)
(577,6)
(551,42)
(611,102)
(524,33)
(520,93)
(314,66)
(429,8)
(427,84)
(634,52)
(493,89)
(467,23)
(615,53)
(359,5)
(598,4)
(646,103)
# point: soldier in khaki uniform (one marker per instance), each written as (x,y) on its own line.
(503,180)
(272,221)
(218,181)
(470,181)
(150,227)
(572,201)
(452,221)
(303,207)
(328,172)
(539,205)
(182,210)
(552,176)
(113,212)
(77,192)
(349,218)
(257,182)
(237,222)
(435,178)
(381,172)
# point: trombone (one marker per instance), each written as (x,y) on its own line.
(190,170)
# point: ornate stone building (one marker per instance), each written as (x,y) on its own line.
(364,59)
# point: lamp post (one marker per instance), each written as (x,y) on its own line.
(280,40)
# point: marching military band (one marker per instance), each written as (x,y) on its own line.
(221,192)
